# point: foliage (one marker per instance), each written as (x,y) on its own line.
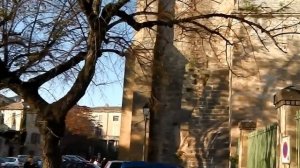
(234,161)
(248,5)
(85,127)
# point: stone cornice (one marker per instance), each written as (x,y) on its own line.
(247,125)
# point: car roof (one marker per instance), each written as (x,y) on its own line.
(142,164)
(23,155)
(116,161)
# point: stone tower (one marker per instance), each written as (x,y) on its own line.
(222,85)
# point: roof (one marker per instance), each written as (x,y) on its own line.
(107,109)
(77,107)
(287,96)
(5,100)
(13,106)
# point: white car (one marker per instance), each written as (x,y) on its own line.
(12,162)
(22,159)
(114,164)
(2,162)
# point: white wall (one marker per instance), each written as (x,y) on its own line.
(9,119)
(109,127)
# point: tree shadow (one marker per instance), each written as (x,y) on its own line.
(207,135)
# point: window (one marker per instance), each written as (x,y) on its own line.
(13,121)
(10,159)
(98,131)
(100,118)
(1,118)
(35,138)
(115,118)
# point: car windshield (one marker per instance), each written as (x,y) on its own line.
(81,158)
(37,158)
(22,158)
(10,159)
(116,165)
(2,160)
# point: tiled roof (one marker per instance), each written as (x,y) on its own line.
(5,100)
(13,106)
(287,96)
(81,107)
(106,109)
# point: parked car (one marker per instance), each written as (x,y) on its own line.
(76,157)
(71,164)
(142,164)
(71,158)
(71,161)
(91,165)
(22,159)
(81,158)
(2,162)
(113,164)
(13,162)
(38,161)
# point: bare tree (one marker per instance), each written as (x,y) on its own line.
(44,40)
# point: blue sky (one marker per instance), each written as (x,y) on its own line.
(110,75)
(109,78)
(106,95)
(111,92)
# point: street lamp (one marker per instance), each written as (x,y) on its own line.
(146,112)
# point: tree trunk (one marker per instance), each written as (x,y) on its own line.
(168,69)
(50,148)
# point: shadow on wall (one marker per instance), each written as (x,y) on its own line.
(213,117)
(205,112)
(261,74)
(253,95)
(165,118)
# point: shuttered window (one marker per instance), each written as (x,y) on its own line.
(115,118)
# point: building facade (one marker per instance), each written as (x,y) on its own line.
(16,118)
(98,131)
(107,121)
(223,84)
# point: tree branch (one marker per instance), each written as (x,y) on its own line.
(129,19)
(120,53)
(43,78)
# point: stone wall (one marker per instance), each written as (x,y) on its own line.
(206,99)
(221,87)
(260,73)
(203,117)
